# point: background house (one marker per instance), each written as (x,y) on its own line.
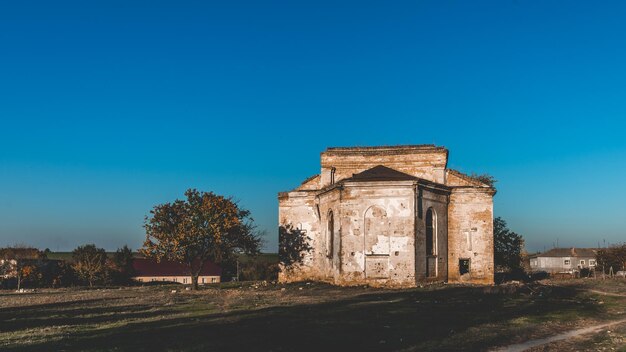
(148,270)
(14,259)
(563,260)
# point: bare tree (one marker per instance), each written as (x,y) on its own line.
(90,263)
(612,257)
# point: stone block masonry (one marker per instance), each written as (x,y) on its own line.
(391,216)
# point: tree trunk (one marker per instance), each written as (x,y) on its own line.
(195,272)
(194,281)
(19,281)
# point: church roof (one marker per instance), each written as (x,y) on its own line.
(381,173)
(387,149)
(457,178)
(311,183)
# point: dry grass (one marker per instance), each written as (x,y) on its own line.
(296,317)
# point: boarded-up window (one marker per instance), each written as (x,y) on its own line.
(376,243)
(376,232)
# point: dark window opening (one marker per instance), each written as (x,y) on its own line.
(331,233)
(464,266)
(430,230)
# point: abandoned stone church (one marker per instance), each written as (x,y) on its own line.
(391,216)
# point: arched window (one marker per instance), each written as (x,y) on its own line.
(331,233)
(431,232)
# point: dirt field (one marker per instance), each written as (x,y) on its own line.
(311,317)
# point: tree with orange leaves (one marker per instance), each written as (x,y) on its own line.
(204,227)
(19,261)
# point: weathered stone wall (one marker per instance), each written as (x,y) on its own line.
(455,178)
(300,211)
(310,184)
(377,234)
(437,200)
(470,234)
(379,226)
(427,162)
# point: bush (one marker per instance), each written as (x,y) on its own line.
(258,270)
(120,267)
(540,275)
(44,273)
(56,273)
(252,268)
(586,272)
(517,275)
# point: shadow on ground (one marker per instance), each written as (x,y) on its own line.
(450,318)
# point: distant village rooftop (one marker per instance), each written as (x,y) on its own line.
(567,252)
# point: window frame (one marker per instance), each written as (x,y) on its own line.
(330,228)
(469,266)
(431,231)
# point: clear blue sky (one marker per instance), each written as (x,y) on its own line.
(109,108)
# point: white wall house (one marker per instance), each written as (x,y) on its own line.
(563,260)
(148,270)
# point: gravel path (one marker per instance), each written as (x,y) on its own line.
(524,346)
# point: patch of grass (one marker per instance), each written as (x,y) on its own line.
(610,339)
(295,317)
